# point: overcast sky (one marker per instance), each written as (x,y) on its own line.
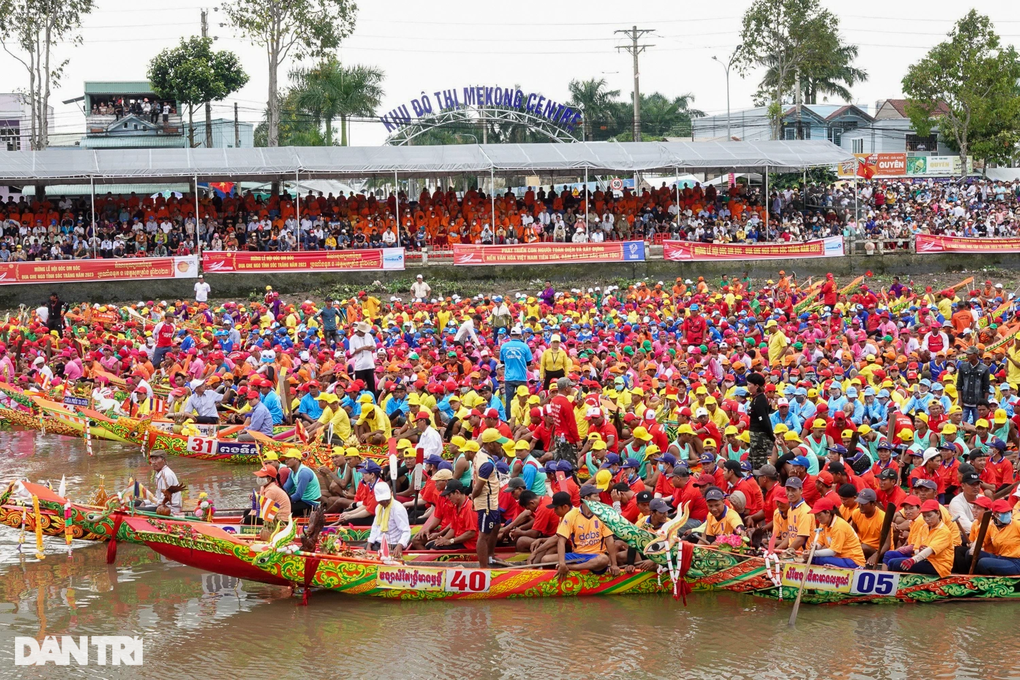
(460,43)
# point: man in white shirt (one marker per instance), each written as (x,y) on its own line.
(165,478)
(361,352)
(420,290)
(429,439)
(202,290)
(390,522)
(467,330)
(203,403)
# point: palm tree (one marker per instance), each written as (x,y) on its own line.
(594,100)
(331,90)
(664,117)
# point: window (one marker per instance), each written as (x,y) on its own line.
(10,135)
(858,145)
(919,143)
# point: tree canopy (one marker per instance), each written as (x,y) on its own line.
(331,90)
(967,86)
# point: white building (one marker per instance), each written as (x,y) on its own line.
(891,132)
(16,122)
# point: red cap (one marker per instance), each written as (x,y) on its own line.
(704,480)
(825,476)
(781,496)
(492,413)
(823,505)
(930,506)
(911,500)
(422,416)
(983,502)
(1001,505)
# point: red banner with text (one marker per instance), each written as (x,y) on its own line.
(694,251)
(119,269)
(550,253)
(256,262)
(928,244)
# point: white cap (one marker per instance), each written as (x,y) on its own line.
(593,412)
(701,412)
(929,453)
(782,402)
(38,360)
(382,491)
(649,414)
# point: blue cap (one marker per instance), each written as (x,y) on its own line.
(869,392)
(745,466)
(707,458)
(851,392)
(632,463)
(801,391)
(445,465)
(613,459)
(926,382)
(742,392)
(550,466)
(433,459)
(502,467)
(801,461)
(564,466)
(666,458)
(838,448)
(370,466)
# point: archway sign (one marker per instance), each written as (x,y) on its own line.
(481,103)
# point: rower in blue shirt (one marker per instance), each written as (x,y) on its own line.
(272,402)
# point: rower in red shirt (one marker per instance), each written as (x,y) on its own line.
(889,490)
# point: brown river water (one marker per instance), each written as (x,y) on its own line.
(199,625)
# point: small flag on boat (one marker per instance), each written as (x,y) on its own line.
(268,510)
(299,430)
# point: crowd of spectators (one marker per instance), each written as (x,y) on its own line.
(142,226)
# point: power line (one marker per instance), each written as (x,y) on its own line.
(635,49)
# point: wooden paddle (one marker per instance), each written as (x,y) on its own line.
(979,543)
(884,541)
(803,581)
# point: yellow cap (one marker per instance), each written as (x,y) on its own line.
(603,479)
(949,428)
(864,429)
(906,435)
(1000,416)
(404,444)
(780,428)
(791,437)
(522,445)
(818,422)
(710,443)
(641,433)
(522,390)
(599,445)
(293,453)
(981,422)
(730,429)
(270,455)
(491,435)
(458,441)
(471,446)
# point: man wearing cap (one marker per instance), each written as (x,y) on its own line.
(303,484)
(164,479)
(390,522)
(1003,556)
(972,383)
(926,552)
(733,474)
(792,521)
(437,517)
(553,363)
(373,426)
(259,419)
(837,545)
(722,519)
(561,420)
(767,479)
(202,403)
(889,490)
(484,491)
(361,349)
(462,533)
(362,509)
(534,529)
(515,357)
(429,439)
(686,491)
(308,408)
(962,505)
(591,542)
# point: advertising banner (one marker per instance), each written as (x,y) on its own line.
(692,251)
(550,253)
(891,165)
(927,244)
(255,262)
(120,269)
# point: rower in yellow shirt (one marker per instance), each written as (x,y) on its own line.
(837,544)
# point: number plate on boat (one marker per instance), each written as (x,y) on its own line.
(467,581)
(409,578)
(204,445)
(836,580)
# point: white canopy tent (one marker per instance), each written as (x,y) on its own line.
(107,166)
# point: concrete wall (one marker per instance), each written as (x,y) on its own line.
(239,286)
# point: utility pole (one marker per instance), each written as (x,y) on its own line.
(237,129)
(208,105)
(634,34)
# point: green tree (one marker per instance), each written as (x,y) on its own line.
(29,30)
(595,101)
(331,90)
(661,117)
(193,73)
(967,86)
(787,38)
(285,28)
(297,126)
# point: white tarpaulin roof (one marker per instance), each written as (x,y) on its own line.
(284,163)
